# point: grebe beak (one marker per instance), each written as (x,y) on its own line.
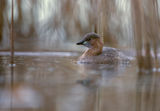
(80,42)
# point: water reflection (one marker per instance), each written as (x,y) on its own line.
(16,94)
(55,83)
(20,96)
(147,97)
(97,74)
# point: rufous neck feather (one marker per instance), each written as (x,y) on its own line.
(95,50)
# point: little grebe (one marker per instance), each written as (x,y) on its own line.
(98,54)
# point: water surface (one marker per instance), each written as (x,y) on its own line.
(49,82)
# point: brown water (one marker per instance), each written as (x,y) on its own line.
(49,82)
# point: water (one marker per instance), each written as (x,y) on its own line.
(58,83)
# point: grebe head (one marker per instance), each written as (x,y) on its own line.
(90,40)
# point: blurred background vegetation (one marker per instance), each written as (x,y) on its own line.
(59,24)
(56,25)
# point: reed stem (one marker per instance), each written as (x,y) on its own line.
(12,35)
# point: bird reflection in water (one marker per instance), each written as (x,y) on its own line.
(96,75)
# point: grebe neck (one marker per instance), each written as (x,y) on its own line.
(95,50)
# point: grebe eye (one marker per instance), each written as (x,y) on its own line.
(89,39)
